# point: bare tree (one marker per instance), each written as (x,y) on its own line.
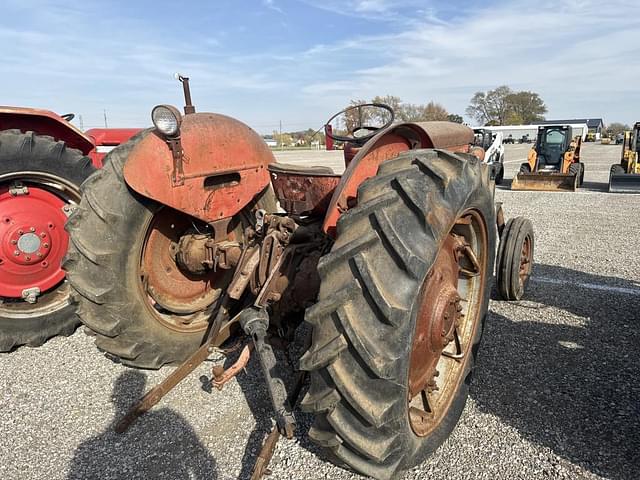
(490,106)
(615,128)
(525,107)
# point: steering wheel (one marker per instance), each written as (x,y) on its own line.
(361,133)
(68,116)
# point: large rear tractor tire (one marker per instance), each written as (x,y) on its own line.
(403,297)
(514,262)
(142,307)
(39,185)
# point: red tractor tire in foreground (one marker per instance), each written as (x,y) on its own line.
(385,389)
(142,308)
(40,181)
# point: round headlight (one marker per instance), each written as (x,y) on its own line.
(166,119)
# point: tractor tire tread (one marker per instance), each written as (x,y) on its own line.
(31,152)
(368,285)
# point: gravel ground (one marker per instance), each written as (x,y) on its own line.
(554,395)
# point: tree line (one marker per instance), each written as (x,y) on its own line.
(504,106)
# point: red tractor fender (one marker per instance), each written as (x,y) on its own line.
(44,122)
(224,166)
(389,144)
(106,139)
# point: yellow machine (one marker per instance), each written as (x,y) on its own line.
(553,162)
(625,176)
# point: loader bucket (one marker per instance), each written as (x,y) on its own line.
(551,182)
(624,183)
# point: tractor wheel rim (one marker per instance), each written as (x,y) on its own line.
(447,320)
(525,262)
(33,241)
(178,300)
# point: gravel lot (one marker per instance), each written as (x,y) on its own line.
(555,394)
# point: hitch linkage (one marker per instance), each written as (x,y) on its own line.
(255,323)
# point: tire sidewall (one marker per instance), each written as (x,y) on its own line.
(421,447)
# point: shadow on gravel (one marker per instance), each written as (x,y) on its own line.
(253,387)
(162,445)
(572,384)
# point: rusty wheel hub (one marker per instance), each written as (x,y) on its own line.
(525,262)
(181,300)
(447,318)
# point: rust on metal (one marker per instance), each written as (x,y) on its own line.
(303,190)
(153,396)
(221,377)
(174,289)
(526,262)
(548,182)
(261,466)
(216,183)
(447,321)
(386,145)
(437,316)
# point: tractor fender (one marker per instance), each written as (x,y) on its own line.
(106,139)
(44,122)
(224,166)
(387,144)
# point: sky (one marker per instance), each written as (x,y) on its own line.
(298,61)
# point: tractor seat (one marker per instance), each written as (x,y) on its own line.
(291,169)
(303,190)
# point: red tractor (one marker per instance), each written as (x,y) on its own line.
(43,161)
(179,243)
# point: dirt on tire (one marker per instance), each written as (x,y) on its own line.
(364,321)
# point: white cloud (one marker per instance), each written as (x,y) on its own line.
(576,54)
(579,56)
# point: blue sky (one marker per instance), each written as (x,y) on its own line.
(267,61)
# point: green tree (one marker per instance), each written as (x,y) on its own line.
(490,106)
(455,118)
(525,108)
(503,106)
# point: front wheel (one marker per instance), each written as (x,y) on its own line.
(40,181)
(403,296)
(514,262)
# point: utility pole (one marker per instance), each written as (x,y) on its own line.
(281,143)
(105,118)
(81,122)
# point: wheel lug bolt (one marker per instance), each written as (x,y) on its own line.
(16,253)
(43,234)
(27,258)
(13,242)
(32,229)
(20,232)
(38,254)
(46,245)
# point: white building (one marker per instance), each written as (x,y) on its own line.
(518,131)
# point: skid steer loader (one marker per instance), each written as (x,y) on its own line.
(624,177)
(179,243)
(493,147)
(553,162)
